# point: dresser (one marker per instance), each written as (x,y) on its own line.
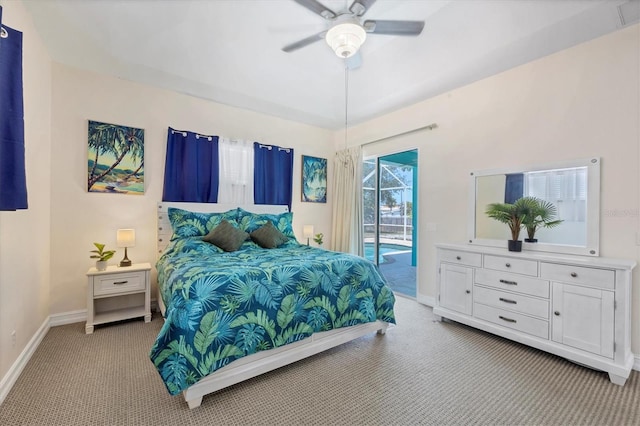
(576,307)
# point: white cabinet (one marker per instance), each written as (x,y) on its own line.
(118,293)
(457,294)
(572,306)
(584,318)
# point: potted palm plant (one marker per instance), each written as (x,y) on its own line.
(513,215)
(541,214)
(102,256)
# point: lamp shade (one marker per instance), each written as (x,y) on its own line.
(307,231)
(346,38)
(126,238)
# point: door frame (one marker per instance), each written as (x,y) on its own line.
(415,200)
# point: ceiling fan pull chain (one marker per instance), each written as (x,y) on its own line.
(346,102)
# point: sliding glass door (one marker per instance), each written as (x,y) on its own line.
(389,201)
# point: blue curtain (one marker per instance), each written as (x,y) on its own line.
(514,187)
(273,175)
(13,182)
(191,167)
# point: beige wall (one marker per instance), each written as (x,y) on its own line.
(24,234)
(78,218)
(579,103)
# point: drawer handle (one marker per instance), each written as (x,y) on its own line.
(508,265)
(508,282)
(506,319)
(468,291)
(574,275)
(513,302)
(120,282)
(556,313)
(458,258)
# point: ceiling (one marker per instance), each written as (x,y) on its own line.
(230,51)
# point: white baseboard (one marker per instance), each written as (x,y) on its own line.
(80,316)
(426,300)
(16,369)
(636,364)
(68,318)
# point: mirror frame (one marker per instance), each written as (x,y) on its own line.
(592,247)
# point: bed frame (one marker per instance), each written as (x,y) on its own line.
(264,361)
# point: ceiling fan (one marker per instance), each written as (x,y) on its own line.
(347,32)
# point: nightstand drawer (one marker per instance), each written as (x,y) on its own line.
(118,283)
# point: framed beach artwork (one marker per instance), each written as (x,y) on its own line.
(314,179)
(115,159)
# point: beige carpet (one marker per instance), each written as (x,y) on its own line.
(420,372)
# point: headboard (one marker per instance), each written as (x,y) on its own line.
(165,231)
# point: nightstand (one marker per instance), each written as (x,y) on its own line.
(118,293)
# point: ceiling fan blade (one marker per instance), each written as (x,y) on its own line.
(354,61)
(402,28)
(304,42)
(360,7)
(317,8)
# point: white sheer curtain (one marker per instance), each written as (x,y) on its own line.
(236,171)
(347,233)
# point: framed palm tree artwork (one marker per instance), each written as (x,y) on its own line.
(314,179)
(115,159)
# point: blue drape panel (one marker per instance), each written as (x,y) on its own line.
(13,182)
(273,175)
(191,168)
(514,187)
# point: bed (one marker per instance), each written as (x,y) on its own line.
(232,315)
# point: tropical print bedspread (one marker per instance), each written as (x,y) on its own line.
(223,306)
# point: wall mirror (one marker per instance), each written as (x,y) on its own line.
(572,186)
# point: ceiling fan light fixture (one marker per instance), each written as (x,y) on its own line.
(346,38)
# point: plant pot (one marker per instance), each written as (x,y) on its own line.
(101,265)
(515,245)
(530,240)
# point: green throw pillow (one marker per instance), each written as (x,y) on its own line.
(226,236)
(268,236)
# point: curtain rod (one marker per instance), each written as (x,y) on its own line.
(429,127)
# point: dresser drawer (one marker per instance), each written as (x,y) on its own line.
(513,302)
(461,257)
(118,283)
(509,264)
(593,277)
(515,321)
(513,282)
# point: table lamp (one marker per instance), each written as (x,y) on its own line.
(126,238)
(307,232)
